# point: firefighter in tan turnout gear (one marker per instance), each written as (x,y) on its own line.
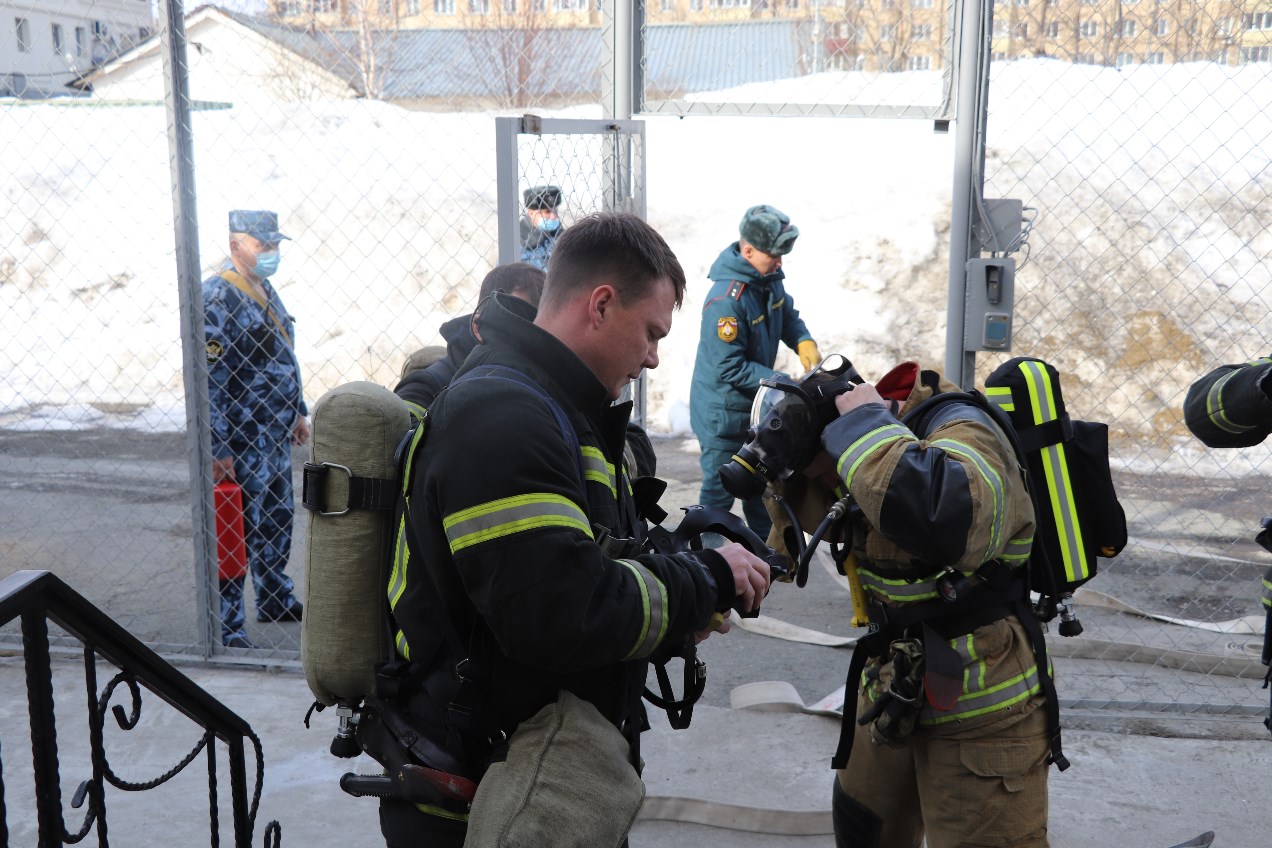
(949,738)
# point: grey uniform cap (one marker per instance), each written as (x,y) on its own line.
(257,223)
(768,230)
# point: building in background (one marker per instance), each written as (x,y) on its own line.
(870,35)
(44,44)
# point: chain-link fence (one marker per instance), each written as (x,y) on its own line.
(374,140)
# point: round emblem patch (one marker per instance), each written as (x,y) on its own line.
(727,329)
(214,351)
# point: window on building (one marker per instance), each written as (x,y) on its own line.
(510,6)
(669,5)
(919,63)
(998,56)
(444,7)
(1022,2)
(1053,29)
(1259,20)
(1053,2)
(411,8)
(1124,59)
(57,39)
(100,30)
(1089,29)
(887,32)
(323,6)
(921,4)
(922,32)
(479,7)
(1262,53)
(1155,58)
(729,4)
(386,8)
(1127,29)
(539,5)
(1161,26)
(571,5)
(290,8)
(22,31)
(792,4)
(81,36)
(1020,30)
(695,5)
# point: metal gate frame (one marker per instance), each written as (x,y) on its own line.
(623,183)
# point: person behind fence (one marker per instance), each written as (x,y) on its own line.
(1231,407)
(955,744)
(525,601)
(746,316)
(257,411)
(427,371)
(540,224)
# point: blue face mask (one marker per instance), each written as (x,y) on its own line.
(266,264)
(550,225)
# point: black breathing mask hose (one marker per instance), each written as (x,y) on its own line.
(836,514)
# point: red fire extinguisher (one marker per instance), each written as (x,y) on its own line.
(231,548)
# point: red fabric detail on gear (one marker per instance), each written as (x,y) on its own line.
(899,382)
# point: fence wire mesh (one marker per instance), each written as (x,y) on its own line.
(1141,160)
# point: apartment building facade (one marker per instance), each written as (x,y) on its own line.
(44,44)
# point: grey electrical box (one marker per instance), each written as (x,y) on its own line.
(997,225)
(991,290)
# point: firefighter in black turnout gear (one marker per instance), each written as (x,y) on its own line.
(1231,407)
(525,576)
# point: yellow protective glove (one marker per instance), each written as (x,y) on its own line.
(809,355)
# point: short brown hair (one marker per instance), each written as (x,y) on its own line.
(617,248)
(516,278)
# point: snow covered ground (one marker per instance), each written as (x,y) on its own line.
(1148,264)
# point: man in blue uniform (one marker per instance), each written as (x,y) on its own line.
(746,316)
(257,413)
(540,225)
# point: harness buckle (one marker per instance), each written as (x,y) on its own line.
(310,495)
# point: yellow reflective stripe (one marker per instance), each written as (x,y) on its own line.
(1214,407)
(516,514)
(868,444)
(998,697)
(653,597)
(403,649)
(991,478)
(899,591)
(1016,551)
(401,554)
(1267,592)
(434,810)
(420,429)
(1001,397)
(1056,468)
(972,661)
(597,468)
(415,409)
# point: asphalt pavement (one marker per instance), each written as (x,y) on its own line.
(762,774)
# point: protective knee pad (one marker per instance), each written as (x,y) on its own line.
(855,825)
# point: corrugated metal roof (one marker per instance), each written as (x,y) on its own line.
(439,64)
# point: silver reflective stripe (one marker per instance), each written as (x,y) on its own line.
(1001,396)
(856,453)
(654,599)
(978,698)
(1016,551)
(1054,463)
(516,514)
(598,469)
(992,479)
(899,591)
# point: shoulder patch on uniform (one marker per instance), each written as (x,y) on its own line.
(735,290)
(214,351)
(727,328)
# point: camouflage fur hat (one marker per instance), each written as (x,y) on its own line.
(542,197)
(768,230)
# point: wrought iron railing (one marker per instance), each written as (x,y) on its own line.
(38,598)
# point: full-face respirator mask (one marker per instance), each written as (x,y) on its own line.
(787,418)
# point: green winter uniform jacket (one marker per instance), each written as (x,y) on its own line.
(745,318)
